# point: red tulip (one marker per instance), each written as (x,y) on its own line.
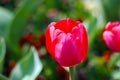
(66,41)
(111,36)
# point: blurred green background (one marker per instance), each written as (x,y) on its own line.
(23,55)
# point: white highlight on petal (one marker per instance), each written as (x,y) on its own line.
(52,28)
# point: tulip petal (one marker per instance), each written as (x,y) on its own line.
(116,32)
(81,40)
(109,40)
(65,25)
(66,52)
(48,37)
(111,25)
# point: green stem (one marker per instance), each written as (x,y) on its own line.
(72,73)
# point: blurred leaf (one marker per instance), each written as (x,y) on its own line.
(79,10)
(118,63)
(96,10)
(113,5)
(49,3)
(115,75)
(90,25)
(2,52)
(98,72)
(3,77)
(92,29)
(114,59)
(5,18)
(18,23)
(99,61)
(28,68)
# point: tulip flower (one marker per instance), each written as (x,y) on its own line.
(67,42)
(111,36)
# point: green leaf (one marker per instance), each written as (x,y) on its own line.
(2,52)
(97,61)
(3,77)
(5,18)
(115,75)
(92,30)
(114,59)
(91,25)
(113,5)
(18,23)
(28,68)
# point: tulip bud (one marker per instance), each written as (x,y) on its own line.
(111,36)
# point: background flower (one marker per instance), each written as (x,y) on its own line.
(111,36)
